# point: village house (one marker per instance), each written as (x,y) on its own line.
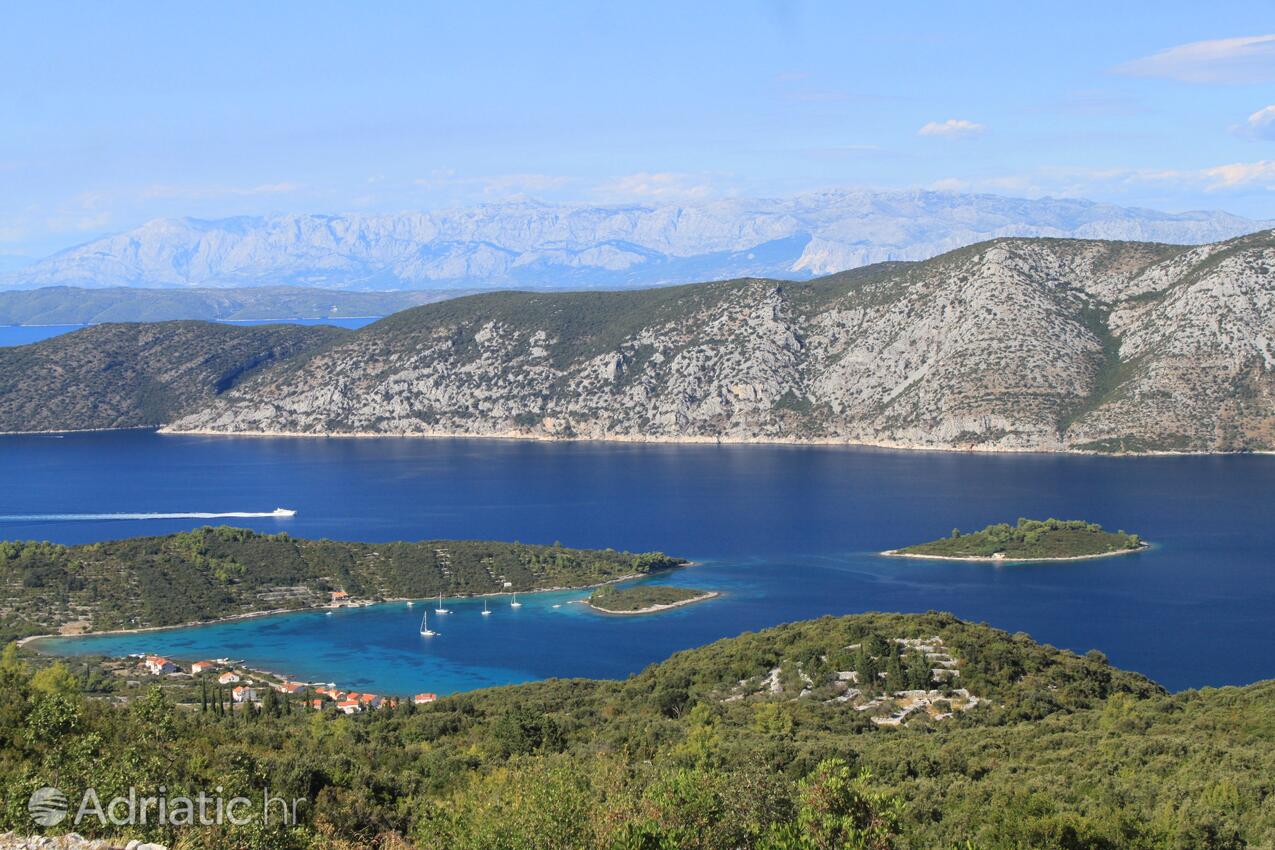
(244,694)
(421,699)
(203,666)
(159,666)
(339,596)
(289,688)
(228,678)
(350,706)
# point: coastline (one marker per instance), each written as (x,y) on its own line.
(273,612)
(986,559)
(654,609)
(692,439)
(653,439)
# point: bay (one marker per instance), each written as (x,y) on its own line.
(784,532)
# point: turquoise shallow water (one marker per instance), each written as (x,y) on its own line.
(785,532)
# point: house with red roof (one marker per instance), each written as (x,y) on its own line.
(244,694)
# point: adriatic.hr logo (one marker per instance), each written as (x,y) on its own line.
(47,806)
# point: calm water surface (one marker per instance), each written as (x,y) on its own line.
(785,532)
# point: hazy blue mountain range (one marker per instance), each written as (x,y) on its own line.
(535,245)
(70,305)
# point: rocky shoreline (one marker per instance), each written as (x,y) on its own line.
(994,559)
(690,439)
(652,609)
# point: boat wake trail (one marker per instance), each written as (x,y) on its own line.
(277,512)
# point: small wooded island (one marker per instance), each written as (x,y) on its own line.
(645,598)
(1030,540)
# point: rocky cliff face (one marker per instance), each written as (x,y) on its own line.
(572,246)
(1011,344)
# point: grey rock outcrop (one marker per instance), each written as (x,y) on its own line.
(1014,344)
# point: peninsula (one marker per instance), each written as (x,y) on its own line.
(1029,540)
(645,598)
(219,573)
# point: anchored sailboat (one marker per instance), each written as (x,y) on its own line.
(425,630)
(515,603)
(486,610)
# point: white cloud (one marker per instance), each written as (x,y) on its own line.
(662,185)
(952,128)
(503,186)
(1247,59)
(204,193)
(1239,174)
(1262,123)
(1088,182)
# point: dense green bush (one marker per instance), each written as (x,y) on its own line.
(1030,538)
(1066,752)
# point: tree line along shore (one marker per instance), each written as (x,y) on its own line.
(214,573)
(1028,540)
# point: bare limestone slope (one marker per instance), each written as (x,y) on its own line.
(1014,344)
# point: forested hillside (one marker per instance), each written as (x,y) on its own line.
(218,572)
(1062,751)
(135,375)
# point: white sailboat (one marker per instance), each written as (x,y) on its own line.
(440,609)
(486,610)
(409,603)
(515,603)
(425,630)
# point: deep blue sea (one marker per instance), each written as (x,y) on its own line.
(23,334)
(785,532)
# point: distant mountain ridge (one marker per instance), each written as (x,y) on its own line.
(535,245)
(1008,345)
(69,305)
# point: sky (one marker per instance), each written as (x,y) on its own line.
(112,114)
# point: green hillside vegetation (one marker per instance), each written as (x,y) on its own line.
(1029,539)
(1064,752)
(638,597)
(669,362)
(218,572)
(138,375)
